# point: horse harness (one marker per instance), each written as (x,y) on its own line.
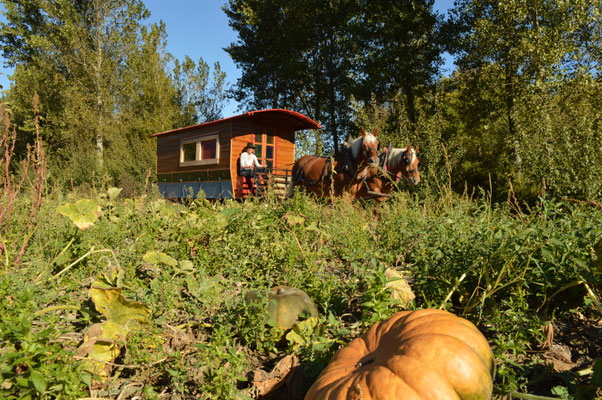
(383,159)
(348,165)
(406,162)
(300,178)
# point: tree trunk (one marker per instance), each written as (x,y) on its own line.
(98,86)
(332,91)
(410,107)
(509,90)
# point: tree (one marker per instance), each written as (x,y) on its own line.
(518,64)
(317,61)
(86,43)
(105,83)
(401,51)
(201,98)
(291,58)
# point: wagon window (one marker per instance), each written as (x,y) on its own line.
(269,152)
(259,151)
(208,149)
(265,149)
(188,152)
(199,150)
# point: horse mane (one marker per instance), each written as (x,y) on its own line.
(356,145)
(396,155)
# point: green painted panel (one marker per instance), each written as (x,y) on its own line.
(164,177)
(202,176)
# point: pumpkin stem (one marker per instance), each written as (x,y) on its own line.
(362,363)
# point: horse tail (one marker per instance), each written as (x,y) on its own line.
(290,188)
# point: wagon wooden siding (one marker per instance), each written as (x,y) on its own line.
(286,150)
(168,151)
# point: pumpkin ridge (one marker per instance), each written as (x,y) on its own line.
(420,322)
(351,386)
(398,381)
(426,319)
(441,366)
(377,356)
(441,377)
(468,341)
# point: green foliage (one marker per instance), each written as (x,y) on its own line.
(83,213)
(340,50)
(32,363)
(105,83)
(194,264)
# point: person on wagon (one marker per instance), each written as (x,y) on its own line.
(249,162)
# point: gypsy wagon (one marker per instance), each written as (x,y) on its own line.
(205,157)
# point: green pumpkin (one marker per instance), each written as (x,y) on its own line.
(286,305)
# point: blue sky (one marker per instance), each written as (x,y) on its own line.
(199,28)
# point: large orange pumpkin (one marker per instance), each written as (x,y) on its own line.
(426,354)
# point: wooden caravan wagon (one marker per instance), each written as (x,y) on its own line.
(206,156)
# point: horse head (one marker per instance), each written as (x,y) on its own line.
(411,163)
(364,149)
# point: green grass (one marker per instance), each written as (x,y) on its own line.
(489,263)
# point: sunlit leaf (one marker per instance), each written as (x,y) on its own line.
(292,219)
(302,332)
(101,346)
(112,277)
(186,266)
(83,213)
(38,381)
(158,258)
(117,309)
(113,193)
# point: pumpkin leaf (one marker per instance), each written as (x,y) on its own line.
(99,348)
(204,289)
(113,277)
(158,258)
(293,220)
(113,193)
(301,334)
(116,308)
(83,213)
(103,341)
(185,266)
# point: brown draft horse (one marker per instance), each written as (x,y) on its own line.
(394,163)
(336,175)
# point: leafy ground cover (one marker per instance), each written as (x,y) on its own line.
(159,288)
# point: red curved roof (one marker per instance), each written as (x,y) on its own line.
(278,118)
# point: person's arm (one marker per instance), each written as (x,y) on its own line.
(256,162)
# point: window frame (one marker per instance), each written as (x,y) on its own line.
(260,139)
(198,140)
